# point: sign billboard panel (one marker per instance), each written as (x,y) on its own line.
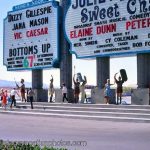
(97,28)
(31,36)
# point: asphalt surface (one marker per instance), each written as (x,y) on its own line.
(98,135)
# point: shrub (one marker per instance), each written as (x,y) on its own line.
(21,146)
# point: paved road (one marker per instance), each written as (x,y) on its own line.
(99,135)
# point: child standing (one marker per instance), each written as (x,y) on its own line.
(64,92)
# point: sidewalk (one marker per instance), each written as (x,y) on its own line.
(99,135)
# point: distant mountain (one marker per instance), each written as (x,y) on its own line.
(5,83)
(11,84)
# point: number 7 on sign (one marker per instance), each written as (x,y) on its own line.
(31,58)
(28,61)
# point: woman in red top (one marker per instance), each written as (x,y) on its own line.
(4,99)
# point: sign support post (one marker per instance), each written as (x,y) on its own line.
(102,70)
(41,95)
(143,70)
(140,96)
(37,79)
(102,74)
(65,57)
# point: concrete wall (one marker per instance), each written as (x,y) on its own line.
(140,96)
(59,97)
(41,95)
(97,96)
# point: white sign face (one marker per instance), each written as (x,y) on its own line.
(108,27)
(31,37)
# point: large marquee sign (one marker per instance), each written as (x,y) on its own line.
(31,36)
(108,27)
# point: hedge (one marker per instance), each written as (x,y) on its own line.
(21,146)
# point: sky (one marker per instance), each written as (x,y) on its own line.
(128,63)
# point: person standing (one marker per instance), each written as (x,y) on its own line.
(64,92)
(22,90)
(31,95)
(1,94)
(107,92)
(76,89)
(12,96)
(51,89)
(82,89)
(119,90)
(4,99)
